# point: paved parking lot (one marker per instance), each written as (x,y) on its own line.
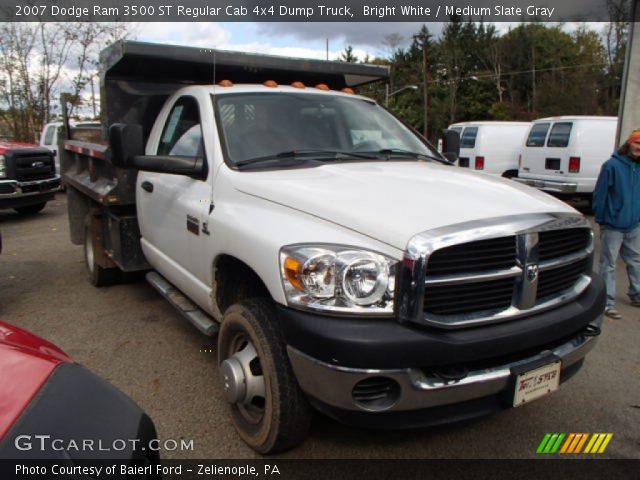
(131,336)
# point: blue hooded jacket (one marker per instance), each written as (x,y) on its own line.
(616,199)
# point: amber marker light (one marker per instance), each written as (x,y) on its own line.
(292,269)
(348,90)
(298,85)
(322,86)
(225,83)
(270,84)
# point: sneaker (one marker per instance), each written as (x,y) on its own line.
(613,313)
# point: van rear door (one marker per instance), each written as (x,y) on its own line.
(534,153)
(467,147)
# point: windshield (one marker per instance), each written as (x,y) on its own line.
(263,125)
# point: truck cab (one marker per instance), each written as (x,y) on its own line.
(323,242)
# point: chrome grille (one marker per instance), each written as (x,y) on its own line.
(457,299)
(557,280)
(484,272)
(492,254)
(557,243)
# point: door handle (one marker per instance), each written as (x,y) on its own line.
(148,186)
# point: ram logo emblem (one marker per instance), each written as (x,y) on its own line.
(532,273)
(37,164)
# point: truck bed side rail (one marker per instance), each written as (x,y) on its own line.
(87,167)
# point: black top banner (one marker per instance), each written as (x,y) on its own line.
(304,10)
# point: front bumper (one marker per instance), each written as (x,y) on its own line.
(420,389)
(17,194)
(549,185)
(440,376)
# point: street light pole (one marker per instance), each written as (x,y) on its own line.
(424,37)
(425,66)
(391,94)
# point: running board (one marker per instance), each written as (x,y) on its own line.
(186,307)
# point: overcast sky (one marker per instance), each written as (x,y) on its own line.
(291,39)
(296,39)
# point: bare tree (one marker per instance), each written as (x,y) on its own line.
(37,60)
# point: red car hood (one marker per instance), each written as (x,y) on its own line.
(26,362)
(4,146)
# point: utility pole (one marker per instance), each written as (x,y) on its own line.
(424,37)
(93,97)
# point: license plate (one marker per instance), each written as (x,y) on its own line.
(536,383)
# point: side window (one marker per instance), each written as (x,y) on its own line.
(468,139)
(559,136)
(537,135)
(182,134)
(48,135)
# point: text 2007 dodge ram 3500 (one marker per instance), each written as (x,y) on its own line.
(324,242)
(28,177)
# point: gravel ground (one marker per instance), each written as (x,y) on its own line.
(129,335)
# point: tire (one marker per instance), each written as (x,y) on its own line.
(98,276)
(30,209)
(272,415)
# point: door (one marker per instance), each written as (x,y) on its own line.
(171,207)
(534,152)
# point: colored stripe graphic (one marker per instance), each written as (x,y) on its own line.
(573,443)
(543,443)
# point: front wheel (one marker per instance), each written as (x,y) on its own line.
(269,410)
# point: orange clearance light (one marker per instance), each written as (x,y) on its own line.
(298,85)
(348,90)
(292,269)
(225,83)
(270,84)
(322,86)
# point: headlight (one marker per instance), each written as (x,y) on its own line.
(3,167)
(338,279)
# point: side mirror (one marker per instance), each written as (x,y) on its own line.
(127,151)
(451,145)
(125,142)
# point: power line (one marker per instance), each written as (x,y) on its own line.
(521,72)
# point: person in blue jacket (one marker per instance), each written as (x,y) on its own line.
(616,205)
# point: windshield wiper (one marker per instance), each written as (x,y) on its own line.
(400,151)
(316,154)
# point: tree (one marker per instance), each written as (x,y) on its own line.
(38,60)
(348,55)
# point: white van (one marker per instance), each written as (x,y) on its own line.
(492,147)
(50,135)
(563,155)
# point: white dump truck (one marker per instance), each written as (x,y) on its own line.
(343,263)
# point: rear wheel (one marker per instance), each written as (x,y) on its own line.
(30,209)
(269,410)
(98,276)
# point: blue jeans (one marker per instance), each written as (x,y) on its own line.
(628,246)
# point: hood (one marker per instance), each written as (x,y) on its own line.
(393,201)
(4,146)
(26,362)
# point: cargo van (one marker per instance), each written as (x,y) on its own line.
(563,155)
(492,147)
